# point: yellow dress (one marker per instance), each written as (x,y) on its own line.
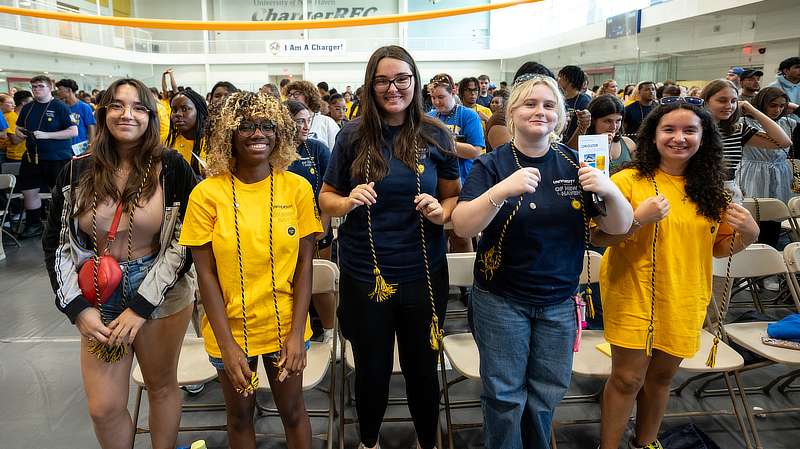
(683,271)
(210,218)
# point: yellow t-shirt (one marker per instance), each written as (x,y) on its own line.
(184,146)
(210,218)
(163,118)
(683,271)
(14,152)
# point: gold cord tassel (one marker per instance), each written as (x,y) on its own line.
(436,333)
(383,290)
(712,357)
(108,354)
(648,346)
(589,304)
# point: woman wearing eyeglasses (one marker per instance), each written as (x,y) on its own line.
(313,163)
(339,110)
(395,174)
(251,229)
(323,128)
(129,175)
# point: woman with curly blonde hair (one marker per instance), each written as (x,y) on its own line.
(256,213)
(323,128)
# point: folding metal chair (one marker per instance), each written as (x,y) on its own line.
(320,358)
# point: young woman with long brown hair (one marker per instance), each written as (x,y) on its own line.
(130,173)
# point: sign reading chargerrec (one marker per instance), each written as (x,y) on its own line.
(276,10)
(311,47)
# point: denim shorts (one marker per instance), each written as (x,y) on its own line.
(216,362)
(137,270)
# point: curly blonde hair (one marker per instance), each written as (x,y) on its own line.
(313,98)
(224,118)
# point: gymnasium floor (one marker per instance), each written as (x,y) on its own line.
(43,404)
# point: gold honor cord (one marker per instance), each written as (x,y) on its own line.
(383,290)
(104,351)
(281,25)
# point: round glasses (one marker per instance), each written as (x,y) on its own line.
(117,110)
(381,85)
(296,94)
(247,128)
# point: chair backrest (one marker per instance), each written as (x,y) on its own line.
(595,258)
(768,208)
(794,206)
(326,277)
(460,266)
(758,260)
(791,256)
(7,181)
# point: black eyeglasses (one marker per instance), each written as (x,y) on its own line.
(401,82)
(691,100)
(247,128)
(474,91)
(296,94)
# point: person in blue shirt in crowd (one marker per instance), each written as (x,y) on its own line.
(47,127)
(788,79)
(395,174)
(80,112)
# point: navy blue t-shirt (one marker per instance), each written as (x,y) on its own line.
(313,163)
(635,114)
(573,105)
(543,246)
(395,222)
(51,117)
(484,101)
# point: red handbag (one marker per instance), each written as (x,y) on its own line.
(109,274)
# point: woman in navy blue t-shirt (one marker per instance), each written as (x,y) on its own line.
(393,171)
(532,201)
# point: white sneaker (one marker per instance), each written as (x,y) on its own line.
(329,338)
(772,284)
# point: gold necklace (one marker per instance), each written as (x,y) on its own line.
(683,200)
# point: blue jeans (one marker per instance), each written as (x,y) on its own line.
(526,365)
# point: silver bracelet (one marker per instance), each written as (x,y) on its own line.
(491,201)
(637,224)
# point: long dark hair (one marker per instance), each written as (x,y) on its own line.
(704,175)
(370,129)
(101,179)
(602,106)
(202,112)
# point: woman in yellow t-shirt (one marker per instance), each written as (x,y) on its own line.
(251,228)
(187,121)
(653,313)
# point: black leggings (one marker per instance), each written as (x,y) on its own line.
(371,327)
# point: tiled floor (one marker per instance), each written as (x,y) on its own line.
(43,405)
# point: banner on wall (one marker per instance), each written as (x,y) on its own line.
(277,10)
(311,47)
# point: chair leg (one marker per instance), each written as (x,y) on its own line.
(553,438)
(747,408)
(738,412)
(136,414)
(445,390)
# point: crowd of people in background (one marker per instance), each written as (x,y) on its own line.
(232,218)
